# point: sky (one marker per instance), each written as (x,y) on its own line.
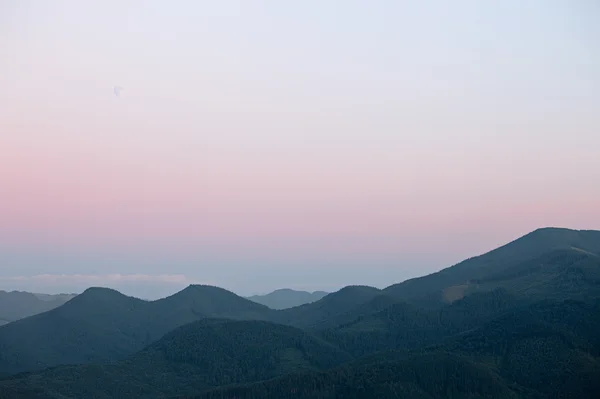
(257,145)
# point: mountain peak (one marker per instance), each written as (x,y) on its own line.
(200,290)
(100,295)
(95,290)
(455,281)
(210,301)
(101,292)
(551,238)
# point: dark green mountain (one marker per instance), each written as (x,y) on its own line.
(14,393)
(192,358)
(547,263)
(557,275)
(404,326)
(103,325)
(546,350)
(287,298)
(313,315)
(377,304)
(425,376)
(523,254)
(17,305)
(550,349)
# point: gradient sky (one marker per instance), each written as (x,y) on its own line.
(307,144)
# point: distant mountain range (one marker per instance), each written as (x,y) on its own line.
(102,325)
(521,321)
(17,305)
(287,298)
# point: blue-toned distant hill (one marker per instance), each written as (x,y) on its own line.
(287,298)
(15,305)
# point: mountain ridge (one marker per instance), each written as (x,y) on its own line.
(285,298)
(102,325)
(527,247)
(106,325)
(16,305)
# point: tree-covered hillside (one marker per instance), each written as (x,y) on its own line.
(494,268)
(545,350)
(192,358)
(103,325)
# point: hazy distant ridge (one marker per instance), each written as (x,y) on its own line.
(287,298)
(17,305)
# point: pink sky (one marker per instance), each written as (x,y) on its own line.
(293,143)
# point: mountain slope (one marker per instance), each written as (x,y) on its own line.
(547,263)
(103,325)
(557,275)
(456,281)
(191,359)
(97,326)
(549,349)
(17,305)
(427,376)
(312,315)
(404,326)
(378,303)
(287,298)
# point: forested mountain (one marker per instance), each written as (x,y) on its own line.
(558,263)
(17,305)
(192,358)
(313,315)
(404,326)
(549,349)
(500,266)
(522,321)
(103,325)
(286,298)
(426,376)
